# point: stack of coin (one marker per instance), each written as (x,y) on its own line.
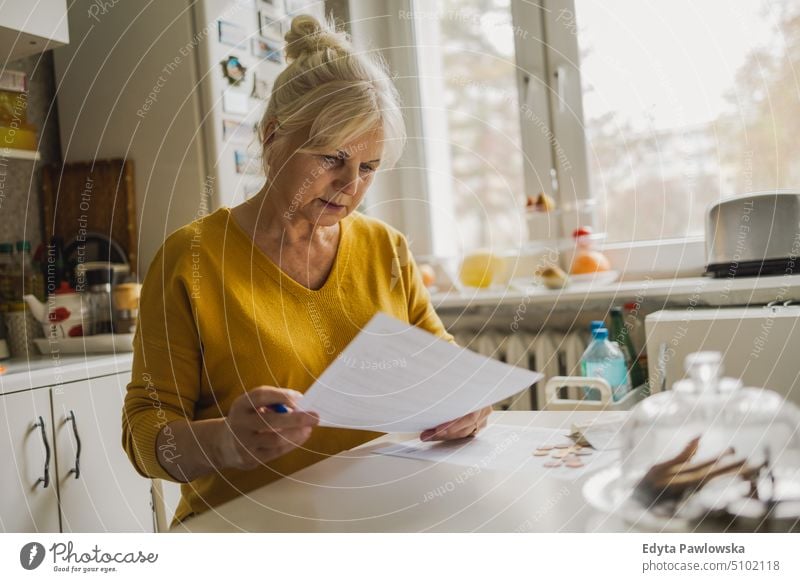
(562,454)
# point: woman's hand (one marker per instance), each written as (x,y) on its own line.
(253,434)
(467,425)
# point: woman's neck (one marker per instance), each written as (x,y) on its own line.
(267,220)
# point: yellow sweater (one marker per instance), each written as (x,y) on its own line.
(218,318)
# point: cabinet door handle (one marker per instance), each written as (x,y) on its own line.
(45,479)
(76,470)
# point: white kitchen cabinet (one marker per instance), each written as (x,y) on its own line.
(28,498)
(106,494)
(98,487)
(27,28)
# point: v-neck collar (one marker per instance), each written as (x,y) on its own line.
(266,264)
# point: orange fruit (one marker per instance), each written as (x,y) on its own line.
(428,275)
(588,262)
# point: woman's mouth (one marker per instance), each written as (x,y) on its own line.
(332,206)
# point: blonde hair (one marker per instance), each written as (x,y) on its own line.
(331,92)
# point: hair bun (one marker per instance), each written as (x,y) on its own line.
(307,36)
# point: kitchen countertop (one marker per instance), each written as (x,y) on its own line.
(357,491)
(51,370)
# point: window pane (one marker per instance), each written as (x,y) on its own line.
(482,115)
(686,102)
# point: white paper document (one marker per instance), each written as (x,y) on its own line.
(503,448)
(394,377)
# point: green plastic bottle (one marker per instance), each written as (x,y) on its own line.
(620,334)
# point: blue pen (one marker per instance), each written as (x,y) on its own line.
(279,408)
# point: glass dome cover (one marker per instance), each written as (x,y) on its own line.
(711,449)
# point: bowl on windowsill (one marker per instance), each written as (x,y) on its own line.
(598,279)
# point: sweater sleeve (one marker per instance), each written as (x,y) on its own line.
(165,383)
(420,309)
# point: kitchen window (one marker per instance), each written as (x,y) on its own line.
(476,96)
(642,112)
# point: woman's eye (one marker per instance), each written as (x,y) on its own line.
(332,160)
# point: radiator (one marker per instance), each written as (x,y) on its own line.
(550,352)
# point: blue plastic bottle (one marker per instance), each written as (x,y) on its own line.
(604,359)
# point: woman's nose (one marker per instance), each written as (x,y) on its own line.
(346,180)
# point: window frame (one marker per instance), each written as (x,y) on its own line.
(559,76)
(562,76)
(551,121)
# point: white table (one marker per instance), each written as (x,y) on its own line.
(357,491)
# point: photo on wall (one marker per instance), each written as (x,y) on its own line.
(276,7)
(238,131)
(261,87)
(315,8)
(270,27)
(231,34)
(233,70)
(236,102)
(246,163)
(267,49)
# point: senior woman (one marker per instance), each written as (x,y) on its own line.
(246,307)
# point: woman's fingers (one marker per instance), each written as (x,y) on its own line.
(269,445)
(265,396)
(451,430)
(274,445)
(253,410)
(267,420)
(256,433)
(294,437)
(483,419)
(483,422)
(462,427)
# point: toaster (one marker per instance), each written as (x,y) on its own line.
(754,234)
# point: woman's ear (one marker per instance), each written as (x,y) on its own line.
(268,137)
(269,131)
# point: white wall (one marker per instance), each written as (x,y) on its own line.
(104,76)
(398,196)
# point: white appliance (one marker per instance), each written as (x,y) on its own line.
(760,345)
(145,81)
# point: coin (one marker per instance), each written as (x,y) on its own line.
(559,454)
(583,453)
(552,464)
(545,448)
(540,453)
(562,446)
(576,464)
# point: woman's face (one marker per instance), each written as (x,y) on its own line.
(324,187)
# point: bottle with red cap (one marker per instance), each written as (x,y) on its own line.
(587,260)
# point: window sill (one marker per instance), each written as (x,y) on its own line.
(655,293)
